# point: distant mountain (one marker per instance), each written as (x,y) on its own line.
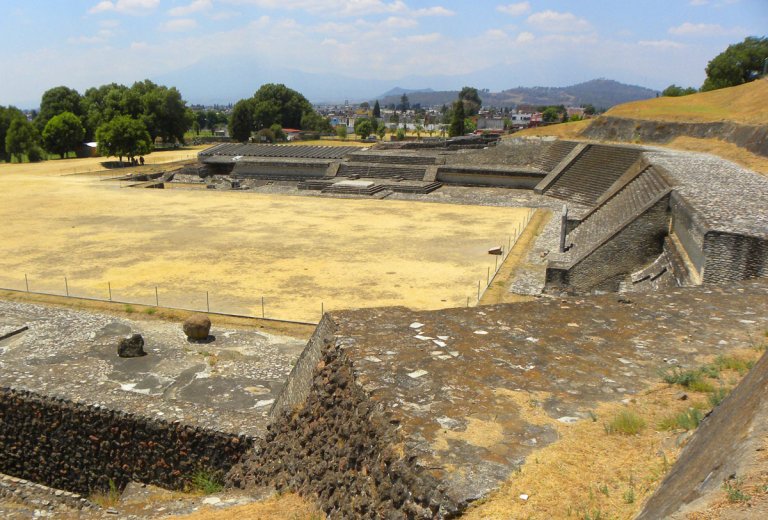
(399,91)
(602,93)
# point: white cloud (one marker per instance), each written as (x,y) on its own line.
(330,7)
(125,6)
(179,24)
(661,44)
(525,37)
(423,38)
(100,37)
(194,7)
(433,11)
(698,2)
(554,21)
(514,9)
(704,29)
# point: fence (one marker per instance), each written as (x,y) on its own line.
(511,241)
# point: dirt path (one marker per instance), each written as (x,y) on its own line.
(498,291)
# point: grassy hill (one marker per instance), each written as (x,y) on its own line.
(746,104)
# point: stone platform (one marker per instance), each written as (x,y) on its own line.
(227,384)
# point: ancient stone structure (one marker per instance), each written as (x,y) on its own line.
(197,327)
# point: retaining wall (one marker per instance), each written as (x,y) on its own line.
(340,447)
(81,448)
(730,257)
(487,177)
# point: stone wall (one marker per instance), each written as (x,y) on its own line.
(342,449)
(688,230)
(81,448)
(730,258)
(488,177)
(630,249)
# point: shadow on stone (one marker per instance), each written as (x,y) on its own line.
(208,339)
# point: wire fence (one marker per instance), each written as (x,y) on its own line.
(497,265)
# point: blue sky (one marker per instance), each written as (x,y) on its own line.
(220,50)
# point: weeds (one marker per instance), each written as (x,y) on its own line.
(718,396)
(687,420)
(604,489)
(206,482)
(691,379)
(732,363)
(733,491)
(106,498)
(150,310)
(592,515)
(626,422)
(129,308)
(629,496)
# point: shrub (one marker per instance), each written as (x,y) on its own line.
(717,397)
(732,363)
(687,420)
(626,422)
(206,482)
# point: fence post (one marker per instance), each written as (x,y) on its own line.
(488,277)
(322,310)
(157,298)
(478,290)
(262,306)
(109,286)
(26,281)
(207,302)
(66,286)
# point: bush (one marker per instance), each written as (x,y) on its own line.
(687,420)
(35,154)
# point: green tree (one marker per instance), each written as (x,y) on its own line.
(589,109)
(551,114)
(63,133)
(22,138)
(314,121)
(471,100)
(363,127)
(7,114)
(469,126)
(376,110)
(341,132)
(56,101)
(241,120)
(276,103)
(739,63)
(676,91)
(124,136)
(381,131)
(457,119)
(277,132)
(405,104)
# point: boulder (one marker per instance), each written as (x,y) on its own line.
(197,327)
(131,346)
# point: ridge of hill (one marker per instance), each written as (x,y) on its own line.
(602,93)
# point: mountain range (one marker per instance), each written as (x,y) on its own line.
(601,93)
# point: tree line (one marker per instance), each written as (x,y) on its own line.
(125,121)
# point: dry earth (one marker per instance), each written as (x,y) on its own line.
(300,253)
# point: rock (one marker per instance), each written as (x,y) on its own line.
(131,346)
(197,327)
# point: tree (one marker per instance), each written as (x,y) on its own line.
(471,100)
(363,127)
(341,132)
(550,114)
(457,119)
(381,131)
(589,109)
(6,116)
(123,136)
(314,121)
(404,103)
(675,91)
(22,137)
(241,121)
(376,110)
(739,63)
(56,101)
(276,103)
(63,133)
(277,132)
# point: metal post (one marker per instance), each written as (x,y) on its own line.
(26,281)
(322,309)
(207,302)
(488,277)
(109,286)
(157,298)
(478,290)
(262,306)
(66,286)
(467,301)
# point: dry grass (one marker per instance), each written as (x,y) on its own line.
(570,130)
(591,472)
(287,506)
(745,104)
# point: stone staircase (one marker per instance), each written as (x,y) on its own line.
(422,188)
(592,173)
(554,155)
(368,191)
(381,158)
(413,173)
(616,212)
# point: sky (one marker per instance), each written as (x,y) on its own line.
(332,50)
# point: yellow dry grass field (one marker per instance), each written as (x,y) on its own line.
(571,130)
(299,253)
(746,104)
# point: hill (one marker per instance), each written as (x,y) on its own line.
(602,93)
(746,104)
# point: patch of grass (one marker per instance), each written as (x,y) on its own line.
(592,515)
(603,488)
(691,379)
(626,422)
(150,310)
(106,498)
(687,420)
(734,492)
(629,496)
(717,397)
(206,482)
(129,308)
(733,363)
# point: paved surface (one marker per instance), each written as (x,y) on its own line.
(461,383)
(227,384)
